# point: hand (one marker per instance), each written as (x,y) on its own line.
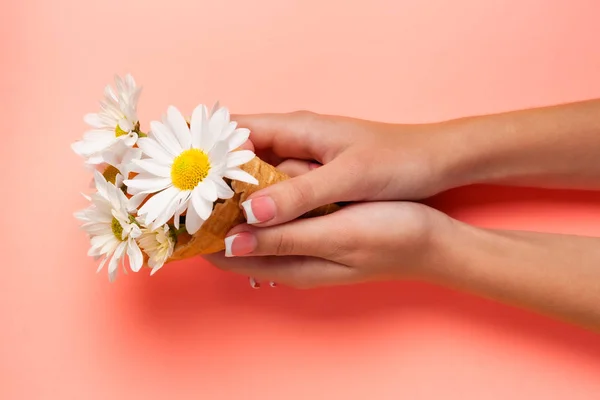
(361,160)
(360,243)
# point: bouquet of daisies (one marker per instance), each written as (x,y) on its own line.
(170,193)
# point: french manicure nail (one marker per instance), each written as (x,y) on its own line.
(260,209)
(240,244)
(229,245)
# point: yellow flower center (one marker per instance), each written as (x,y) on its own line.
(110,174)
(117,229)
(189,169)
(120,132)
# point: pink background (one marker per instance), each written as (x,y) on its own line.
(194,332)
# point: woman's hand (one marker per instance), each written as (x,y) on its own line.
(360,243)
(361,160)
(553,274)
(555,147)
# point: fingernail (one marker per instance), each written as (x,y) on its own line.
(239,244)
(253,283)
(261,209)
(272,284)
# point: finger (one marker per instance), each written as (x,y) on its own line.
(298,272)
(247,145)
(294,167)
(292,135)
(268,156)
(287,200)
(255,284)
(324,237)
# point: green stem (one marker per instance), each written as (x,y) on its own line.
(140,133)
(137,130)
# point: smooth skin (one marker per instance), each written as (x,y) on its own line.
(384,236)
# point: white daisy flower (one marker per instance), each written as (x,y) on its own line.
(112,230)
(118,163)
(187,166)
(117,121)
(158,245)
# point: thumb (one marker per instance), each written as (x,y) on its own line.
(284,201)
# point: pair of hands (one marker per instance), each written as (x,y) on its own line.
(377,166)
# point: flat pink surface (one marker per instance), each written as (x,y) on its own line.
(192,332)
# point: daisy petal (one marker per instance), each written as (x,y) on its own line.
(238,138)
(218,155)
(165,138)
(114,261)
(151,185)
(169,211)
(154,167)
(154,150)
(125,125)
(228,130)
(111,157)
(237,158)
(119,84)
(99,135)
(193,222)
(132,154)
(97,230)
(99,243)
(135,96)
(130,139)
(113,197)
(158,204)
(101,264)
(109,248)
(129,81)
(199,127)
(215,107)
(87,148)
(154,269)
(101,184)
(136,259)
(179,127)
(134,202)
(81,215)
(219,121)
(95,121)
(110,95)
(239,175)
(202,206)
(182,207)
(223,190)
(112,276)
(208,190)
(207,138)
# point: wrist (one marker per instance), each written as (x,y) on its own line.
(463,157)
(451,245)
(438,247)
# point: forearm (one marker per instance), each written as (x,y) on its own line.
(552,147)
(557,275)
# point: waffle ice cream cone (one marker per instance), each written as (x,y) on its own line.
(228,213)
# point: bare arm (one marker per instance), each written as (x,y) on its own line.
(557,275)
(552,147)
